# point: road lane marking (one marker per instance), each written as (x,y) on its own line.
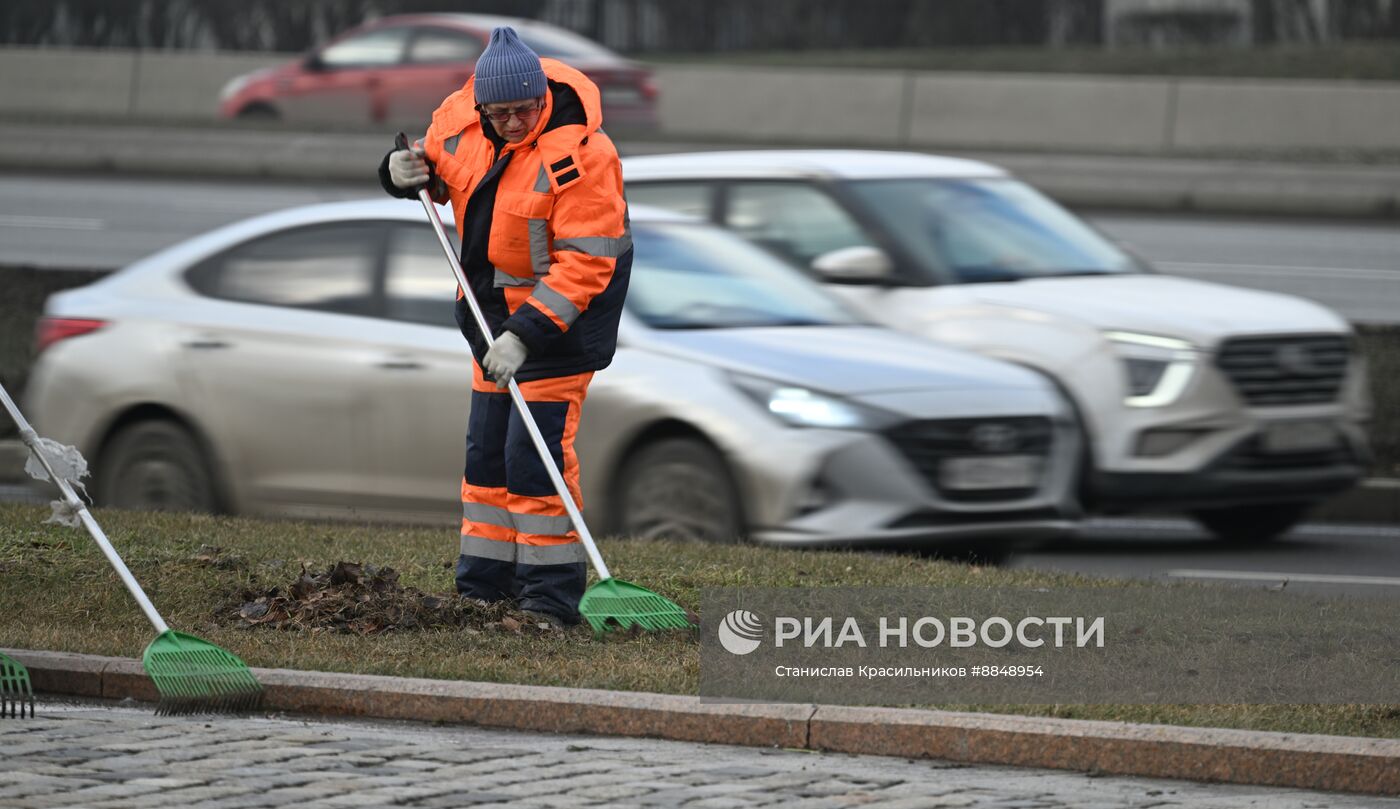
(1296,270)
(1257,575)
(52,222)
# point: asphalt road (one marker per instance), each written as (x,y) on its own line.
(94,754)
(1352,267)
(100,222)
(68,221)
(1355,560)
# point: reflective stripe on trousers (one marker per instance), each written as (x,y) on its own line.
(517,540)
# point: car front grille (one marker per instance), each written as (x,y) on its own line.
(1286,370)
(926,444)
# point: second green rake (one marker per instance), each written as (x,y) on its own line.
(15,693)
(191,675)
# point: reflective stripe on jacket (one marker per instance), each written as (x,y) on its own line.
(545,238)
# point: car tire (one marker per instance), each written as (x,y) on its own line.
(259,113)
(1253,524)
(678,488)
(155,466)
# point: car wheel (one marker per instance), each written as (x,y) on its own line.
(1251,525)
(678,488)
(155,466)
(258,112)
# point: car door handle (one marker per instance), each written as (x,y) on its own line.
(401,365)
(206,343)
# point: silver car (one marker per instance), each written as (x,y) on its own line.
(1242,408)
(307,363)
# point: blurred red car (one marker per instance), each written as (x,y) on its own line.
(396,70)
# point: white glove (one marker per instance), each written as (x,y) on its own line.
(506,356)
(408,168)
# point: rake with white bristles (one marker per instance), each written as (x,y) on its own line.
(191,675)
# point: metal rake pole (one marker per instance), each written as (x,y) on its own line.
(70,497)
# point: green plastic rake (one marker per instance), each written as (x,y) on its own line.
(610,604)
(195,676)
(15,693)
(615,604)
(191,675)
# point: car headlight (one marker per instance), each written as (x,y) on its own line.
(801,407)
(1157,368)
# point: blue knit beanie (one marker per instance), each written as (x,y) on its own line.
(508,70)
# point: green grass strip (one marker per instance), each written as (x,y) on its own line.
(60,595)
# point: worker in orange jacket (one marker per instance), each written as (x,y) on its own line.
(536,188)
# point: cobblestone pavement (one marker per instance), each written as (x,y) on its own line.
(104,757)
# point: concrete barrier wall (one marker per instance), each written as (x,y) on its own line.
(822,105)
(66,81)
(171,85)
(1241,114)
(783,104)
(1026,111)
(138,84)
(1058,112)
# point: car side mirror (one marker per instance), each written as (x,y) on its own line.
(861,264)
(313,63)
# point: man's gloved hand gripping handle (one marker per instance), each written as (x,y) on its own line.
(408,168)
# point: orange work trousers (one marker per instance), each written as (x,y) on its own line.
(517,540)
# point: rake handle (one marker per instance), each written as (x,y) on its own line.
(31,439)
(516,397)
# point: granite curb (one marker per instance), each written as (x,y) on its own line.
(1261,758)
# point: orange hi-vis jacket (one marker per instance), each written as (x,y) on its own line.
(545,237)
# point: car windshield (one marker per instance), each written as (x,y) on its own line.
(556,43)
(688,276)
(970,231)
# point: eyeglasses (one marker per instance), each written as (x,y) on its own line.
(522,112)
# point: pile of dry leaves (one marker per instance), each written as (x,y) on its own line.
(365,600)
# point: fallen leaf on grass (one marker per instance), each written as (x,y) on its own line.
(214,556)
